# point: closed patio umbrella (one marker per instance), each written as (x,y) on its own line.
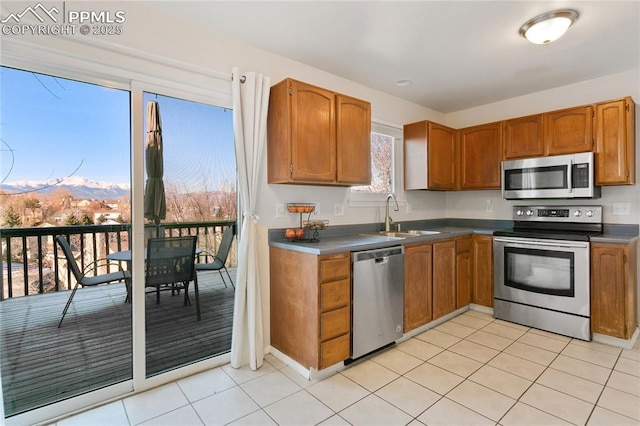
(155,207)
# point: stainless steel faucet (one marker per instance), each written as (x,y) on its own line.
(387,220)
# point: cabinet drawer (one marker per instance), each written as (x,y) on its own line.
(335,323)
(334,295)
(334,267)
(335,350)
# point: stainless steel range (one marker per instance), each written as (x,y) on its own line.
(542,268)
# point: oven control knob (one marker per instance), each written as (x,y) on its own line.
(519,212)
(529,212)
(577,213)
(589,213)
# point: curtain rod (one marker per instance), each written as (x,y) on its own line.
(242,78)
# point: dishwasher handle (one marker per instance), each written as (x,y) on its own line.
(376,254)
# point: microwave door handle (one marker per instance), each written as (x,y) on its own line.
(570,176)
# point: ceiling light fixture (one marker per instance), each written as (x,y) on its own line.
(550,26)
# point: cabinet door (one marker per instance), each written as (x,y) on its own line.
(480,156)
(523,137)
(417,286)
(353,139)
(615,143)
(464,272)
(444,278)
(613,289)
(313,136)
(482,291)
(441,159)
(569,131)
(415,155)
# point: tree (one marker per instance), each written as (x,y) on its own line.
(85,220)
(71,220)
(32,203)
(11,218)
(381,162)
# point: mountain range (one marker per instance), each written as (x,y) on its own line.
(79,187)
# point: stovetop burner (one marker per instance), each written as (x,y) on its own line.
(573,223)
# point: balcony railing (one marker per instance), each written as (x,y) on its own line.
(34,264)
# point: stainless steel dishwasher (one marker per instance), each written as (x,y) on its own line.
(378,299)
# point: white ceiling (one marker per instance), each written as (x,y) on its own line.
(458,54)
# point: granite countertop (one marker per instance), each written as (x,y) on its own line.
(367,239)
(615,238)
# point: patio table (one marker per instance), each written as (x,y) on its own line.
(125,256)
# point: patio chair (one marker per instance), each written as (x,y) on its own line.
(170,266)
(83,278)
(220,258)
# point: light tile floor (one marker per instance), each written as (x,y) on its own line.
(470,370)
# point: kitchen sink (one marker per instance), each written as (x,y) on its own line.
(422,232)
(406,234)
(392,234)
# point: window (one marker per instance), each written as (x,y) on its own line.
(381,165)
(385,151)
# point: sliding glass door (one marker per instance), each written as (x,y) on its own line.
(65,174)
(74,167)
(190,191)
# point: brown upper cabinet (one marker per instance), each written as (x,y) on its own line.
(429,156)
(480,149)
(553,133)
(353,137)
(523,137)
(316,136)
(615,142)
(568,131)
(438,157)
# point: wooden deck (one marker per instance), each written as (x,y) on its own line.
(42,364)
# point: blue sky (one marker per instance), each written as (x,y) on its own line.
(50,127)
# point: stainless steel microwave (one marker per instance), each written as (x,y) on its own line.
(559,176)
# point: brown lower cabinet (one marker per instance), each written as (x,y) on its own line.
(482,283)
(418,279)
(444,278)
(464,271)
(444,275)
(310,301)
(614,276)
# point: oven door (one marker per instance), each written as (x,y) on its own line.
(551,274)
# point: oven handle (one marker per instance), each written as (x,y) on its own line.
(529,242)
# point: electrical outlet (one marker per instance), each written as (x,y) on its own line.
(489,205)
(317,209)
(279,209)
(338,210)
(621,209)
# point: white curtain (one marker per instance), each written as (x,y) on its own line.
(250,105)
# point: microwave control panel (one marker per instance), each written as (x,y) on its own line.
(580,175)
